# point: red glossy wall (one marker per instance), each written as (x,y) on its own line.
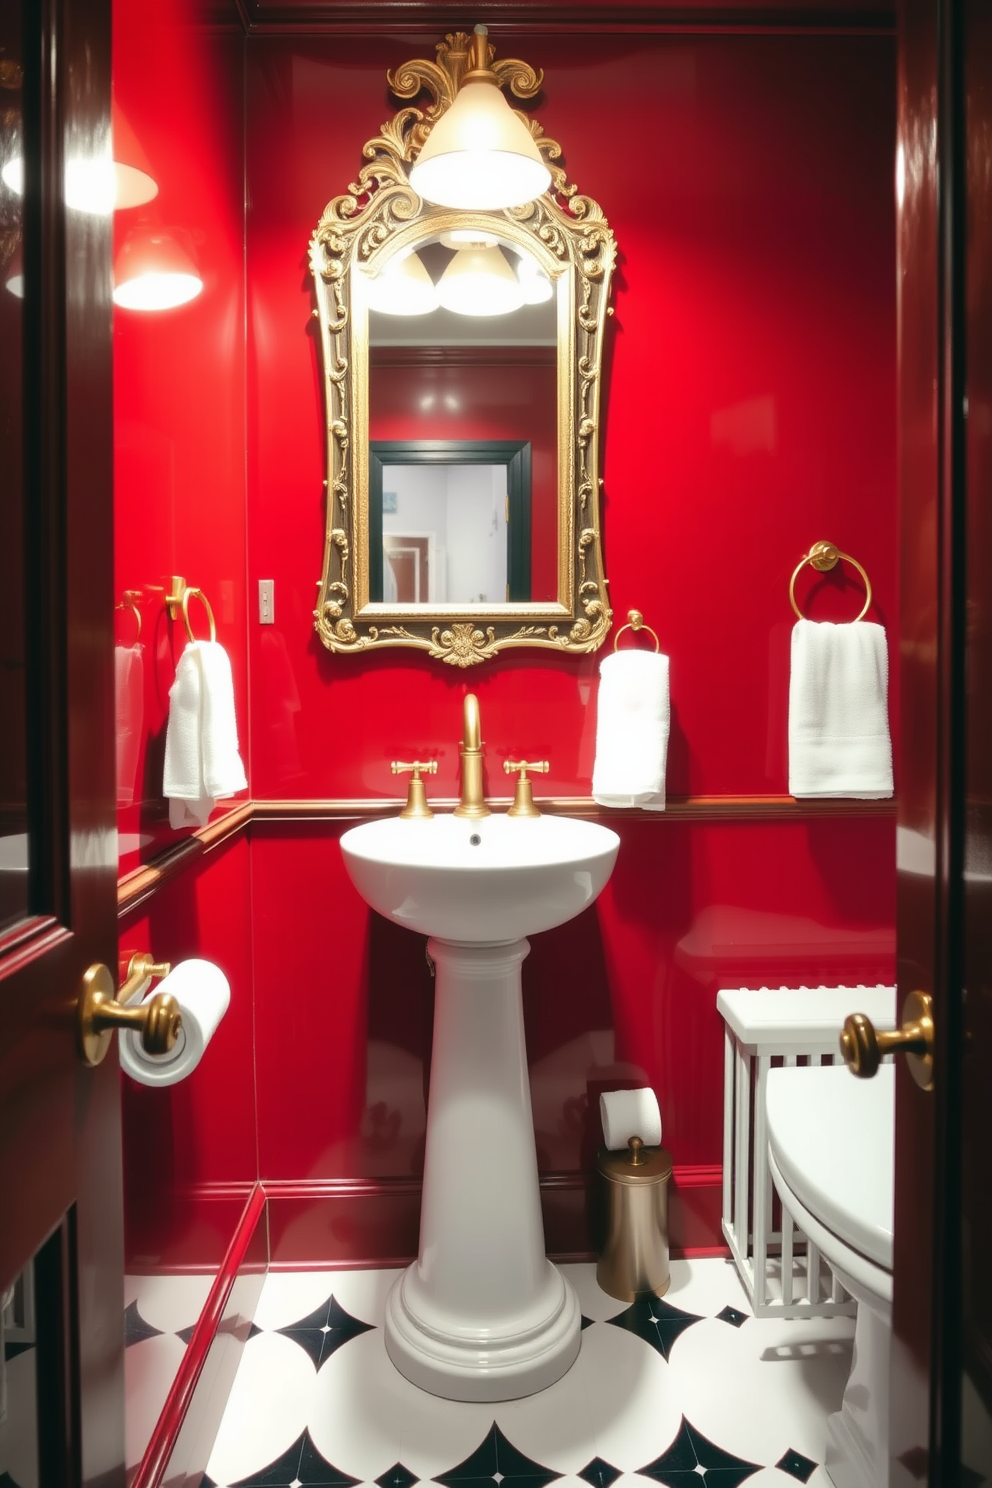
(749,402)
(179,420)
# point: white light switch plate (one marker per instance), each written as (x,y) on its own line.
(266,602)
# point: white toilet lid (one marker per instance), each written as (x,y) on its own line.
(833,1138)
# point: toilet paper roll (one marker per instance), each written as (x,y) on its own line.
(203,994)
(630,1113)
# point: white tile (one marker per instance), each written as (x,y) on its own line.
(288,1296)
(765,1387)
(149,1370)
(269,1406)
(633,1406)
(170,1303)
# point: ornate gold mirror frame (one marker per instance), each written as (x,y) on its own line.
(357,234)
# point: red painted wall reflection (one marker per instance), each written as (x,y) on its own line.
(179,420)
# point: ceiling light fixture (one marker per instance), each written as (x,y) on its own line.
(479,281)
(404,287)
(480,156)
(153,271)
(94,184)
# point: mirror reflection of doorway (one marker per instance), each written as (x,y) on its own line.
(406,576)
(449,522)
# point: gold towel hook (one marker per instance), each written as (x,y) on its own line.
(635,622)
(823,556)
(129,601)
(178,599)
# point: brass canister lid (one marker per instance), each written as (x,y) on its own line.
(637,1164)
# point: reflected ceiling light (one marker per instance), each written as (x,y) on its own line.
(404,287)
(479,281)
(154,272)
(535,286)
(479,156)
(465,237)
(94,184)
(14,281)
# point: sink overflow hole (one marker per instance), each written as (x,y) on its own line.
(474,840)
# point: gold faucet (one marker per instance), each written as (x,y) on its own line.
(472,801)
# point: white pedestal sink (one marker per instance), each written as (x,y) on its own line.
(482,1314)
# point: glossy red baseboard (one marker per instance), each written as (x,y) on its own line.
(353,1224)
(180,1444)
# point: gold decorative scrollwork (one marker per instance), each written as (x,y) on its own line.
(379,215)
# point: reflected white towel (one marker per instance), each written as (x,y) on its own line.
(202,763)
(129,695)
(632,722)
(839,742)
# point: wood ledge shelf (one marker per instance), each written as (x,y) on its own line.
(137,886)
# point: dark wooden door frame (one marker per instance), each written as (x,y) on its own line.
(515,454)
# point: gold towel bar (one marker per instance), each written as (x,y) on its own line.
(635,622)
(824,556)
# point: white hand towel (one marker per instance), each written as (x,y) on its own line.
(202,763)
(129,695)
(632,722)
(839,742)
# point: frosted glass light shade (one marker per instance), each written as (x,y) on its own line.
(479,281)
(535,286)
(95,186)
(479,156)
(403,288)
(153,272)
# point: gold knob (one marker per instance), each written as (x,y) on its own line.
(523,797)
(416,807)
(158,1020)
(863,1048)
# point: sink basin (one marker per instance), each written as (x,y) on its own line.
(496,879)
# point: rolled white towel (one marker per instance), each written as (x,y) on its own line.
(633,717)
(839,743)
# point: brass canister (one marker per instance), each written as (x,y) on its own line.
(634,1258)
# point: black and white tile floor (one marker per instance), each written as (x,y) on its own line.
(676,1391)
(159,1316)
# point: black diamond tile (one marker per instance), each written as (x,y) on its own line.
(253,1331)
(135,1327)
(397,1476)
(11,1351)
(585,1323)
(599,1474)
(6,1481)
(497,1459)
(796,1465)
(693,1459)
(325,1330)
(732,1316)
(186,1334)
(657,1322)
(300,1466)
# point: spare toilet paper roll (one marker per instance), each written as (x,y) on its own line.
(630,1113)
(203,994)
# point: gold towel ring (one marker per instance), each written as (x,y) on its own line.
(130,602)
(823,556)
(189,594)
(635,622)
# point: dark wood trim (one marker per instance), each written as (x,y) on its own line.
(679,808)
(166,1434)
(358,17)
(138,885)
(463,356)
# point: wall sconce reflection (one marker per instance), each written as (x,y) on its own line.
(14,278)
(404,287)
(154,271)
(98,185)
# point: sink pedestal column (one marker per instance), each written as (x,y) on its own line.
(482,1314)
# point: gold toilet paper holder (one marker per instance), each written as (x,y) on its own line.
(99,1010)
